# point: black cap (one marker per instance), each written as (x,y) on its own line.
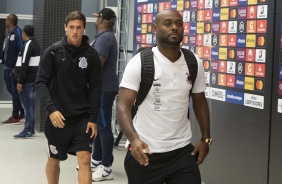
(107,14)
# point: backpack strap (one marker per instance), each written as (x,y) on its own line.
(58,54)
(147,77)
(192,64)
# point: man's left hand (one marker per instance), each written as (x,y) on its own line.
(203,149)
(93,127)
(19,87)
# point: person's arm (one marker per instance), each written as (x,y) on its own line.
(103,45)
(43,80)
(126,99)
(201,110)
(25,62)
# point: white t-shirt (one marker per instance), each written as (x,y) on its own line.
(161,120)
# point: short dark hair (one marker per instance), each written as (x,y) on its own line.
(76,15)
(29,30)
(14,19)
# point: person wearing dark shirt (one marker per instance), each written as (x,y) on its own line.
(106,45)
(69,83)
(26,71)
(12,47)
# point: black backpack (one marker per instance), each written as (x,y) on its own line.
(148,73)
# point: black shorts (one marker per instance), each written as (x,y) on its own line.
(70,139)
(177,167)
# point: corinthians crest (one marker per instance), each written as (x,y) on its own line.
(82,62)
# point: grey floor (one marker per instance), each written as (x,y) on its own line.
(22,161)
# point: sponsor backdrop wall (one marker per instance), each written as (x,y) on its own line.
(234,39)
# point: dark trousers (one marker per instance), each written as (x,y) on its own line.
(174,167)
(27,99)
(103,143)
(11,85)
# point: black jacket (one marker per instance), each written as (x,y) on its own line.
(28,61)
(72,86)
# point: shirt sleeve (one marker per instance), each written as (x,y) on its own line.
(200,82)
(25,62)
(103,44)
(132,74)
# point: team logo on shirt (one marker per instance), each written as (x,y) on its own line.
(188,79)
(82,62)
(12,38)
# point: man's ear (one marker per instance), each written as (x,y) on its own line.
(154,28)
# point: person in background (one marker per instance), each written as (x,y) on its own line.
(26,71)
(105,44)
(69,84)
(12,47)
(160,149)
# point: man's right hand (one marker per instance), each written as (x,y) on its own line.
(138,150)
(57,119)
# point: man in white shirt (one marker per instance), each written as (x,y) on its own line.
(160,149)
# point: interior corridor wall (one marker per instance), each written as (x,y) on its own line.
(234,39)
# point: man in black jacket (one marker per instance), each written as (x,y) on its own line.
(26,71)
(12,47)
(69,85)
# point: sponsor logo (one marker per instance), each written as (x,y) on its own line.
(242,2)
(240,69)
(242,26)
(206,64)
(199,39)
(231,67)
(208,4)
(251,26)
(53,149)
(260,55)
(149,39)
(199,51)
(201,4)
(233,3)
(232,40)
(150,18)
(241,40)
(222,53)
(216,28)
(280,72)
(186,16)
(139,9)
(223,27)
(224,12)
(249,83)
(144,28)
(180,5)
(250,55)
(232,27)
(251,40)
(242,13)
(252,12)
(143,38)
(221,79)
(186,26)
(174,5)
(222,66)
(217,94)
(206,52)
(150,8)
(193,16)
(144,8)
(156,7)
(216,3)
(262,12)
(194,4)
(138,38)
(249,69)
(192,40)
(260,70)
(223,40)
(186,4)
(214,53)
(144,18)
(215,40)
(216,14)
(214,78)
(138,29)
(185,39)
(231,53)
(233,13)
(259,84)
(261,26)
(207,77)
(200,15)
(208,15)
(235,97)
(161,6)
(254,101)
(239,83)
(207,40)
(200,27)
(240,54)
(193,27)
(214,66)
(224,3)
(207,27)
(230,81)
(167,5)
(251,2)
(260,41)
